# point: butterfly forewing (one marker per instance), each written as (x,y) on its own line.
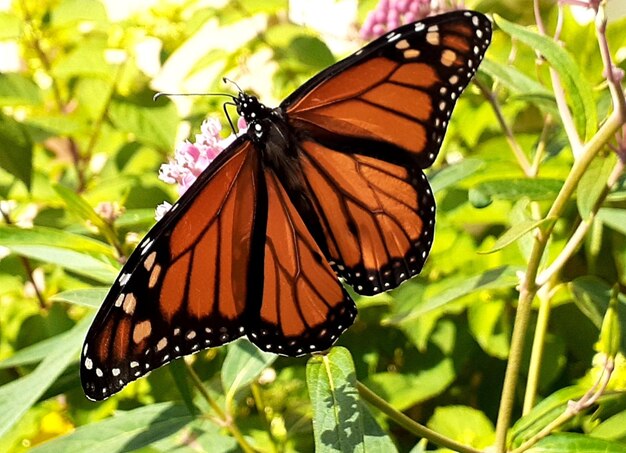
(185,287)
(395,96)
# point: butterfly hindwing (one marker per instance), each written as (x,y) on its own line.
(185,286)
(304,307)
(377,217)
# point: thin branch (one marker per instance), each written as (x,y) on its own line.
(529,286)
(225,419)
(559,95)
(573,407)
(508,132)
(410,424)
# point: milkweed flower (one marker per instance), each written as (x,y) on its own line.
(191,159)
(390,14)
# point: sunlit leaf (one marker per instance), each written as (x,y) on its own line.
(16,149)
(576,87)
(127,431)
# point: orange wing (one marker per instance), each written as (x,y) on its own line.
(185,287)
(304,308)
(377,217)
(394,97)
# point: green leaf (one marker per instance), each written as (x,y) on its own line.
(464,424)
(39,351)
(18,396)
(179,373)
(543,413)
(11,235)
(151,124)
(491,325)
(577,88)
(76,262)
(614,218)
(337,416)
(15,89)
(593,183)
(16,149)
(517,231)
(310,52)
(575,443)
(610,332)
(90,297)
(501,277)
(127,431)
(518,82)
(485,192)
(73,12)
(452,174)
(76,204)
(613,428)
(243,363)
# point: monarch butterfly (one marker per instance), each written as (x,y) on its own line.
(327,185)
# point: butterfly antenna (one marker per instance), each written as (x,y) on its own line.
(228,115)
(227,80)
(160,94)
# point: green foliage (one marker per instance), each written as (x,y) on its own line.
(530,237)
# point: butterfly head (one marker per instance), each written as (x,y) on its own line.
(255,114)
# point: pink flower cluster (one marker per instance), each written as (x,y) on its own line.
(190,159)
(390,14)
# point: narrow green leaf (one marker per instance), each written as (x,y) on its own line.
(15,89)
(501,277)
(517,231)
(124,432)
(575,443)
(11,235)
(76,262)
(18,396)
(38,351)
(337,418)
(513,190)
(593,182)
(90,297)
(614,218)
(613,428)
(178,370)
(16,149)
(451,175)
(577,88)
(518,82)
(610,332)
(85,212)
(243,363)
(544,412)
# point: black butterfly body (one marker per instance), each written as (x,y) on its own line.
(329,184)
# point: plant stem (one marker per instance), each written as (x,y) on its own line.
(508,133)
(529,285)
(409,424)
(226,420)
(536,355)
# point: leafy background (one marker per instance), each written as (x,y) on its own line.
(79,130)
